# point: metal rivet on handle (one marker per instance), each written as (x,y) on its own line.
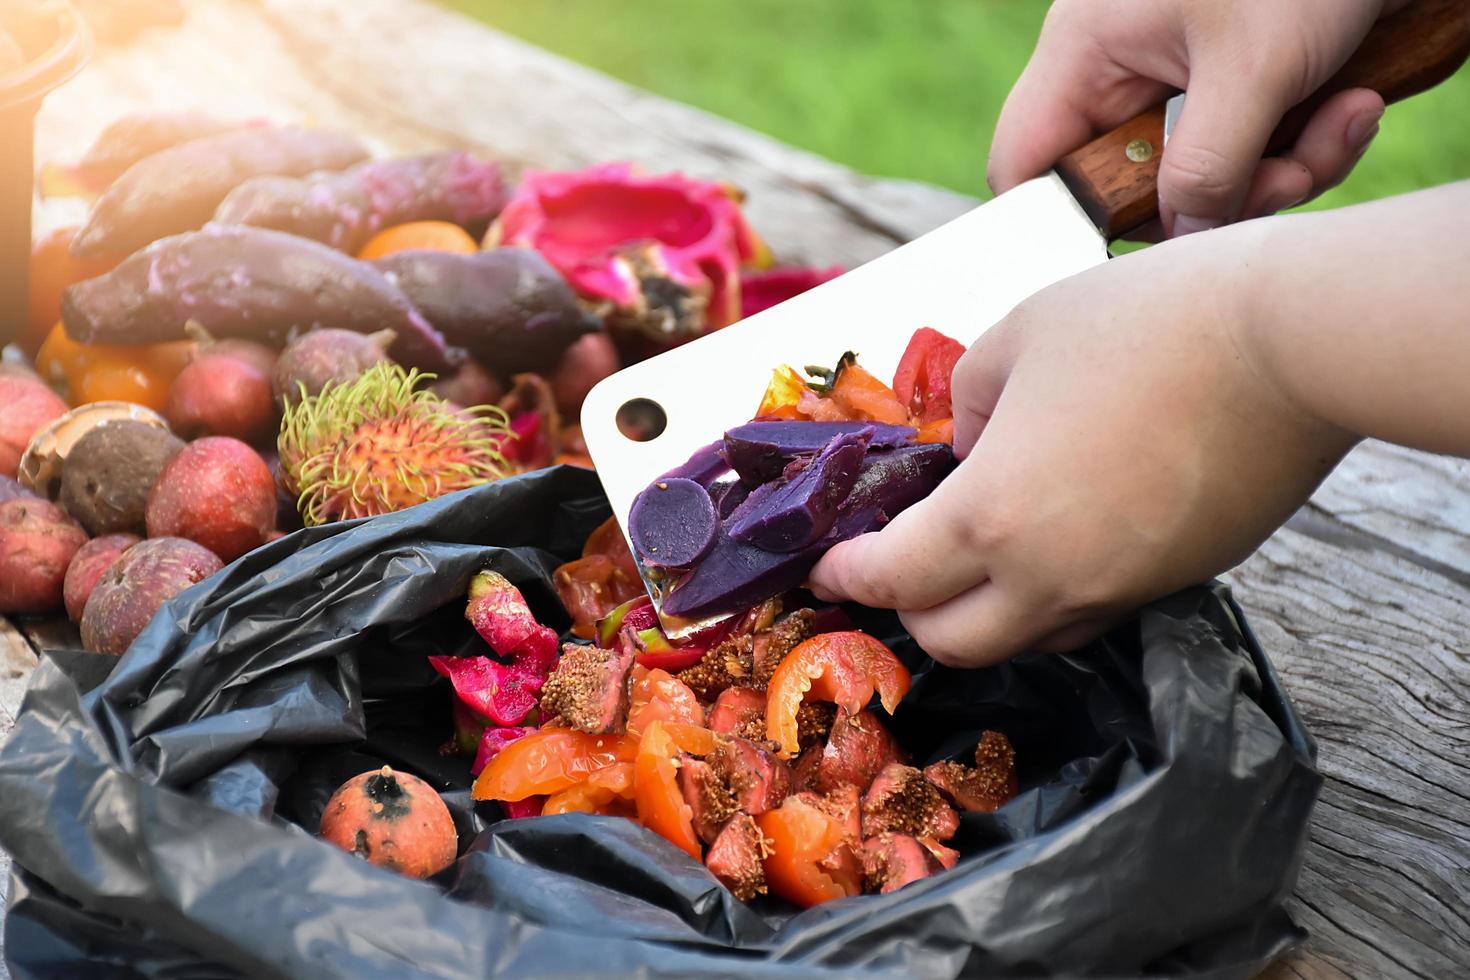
(1139,150)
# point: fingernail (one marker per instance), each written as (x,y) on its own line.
(1186,224)
(1363,128)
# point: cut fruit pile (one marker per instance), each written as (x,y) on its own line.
(752,747)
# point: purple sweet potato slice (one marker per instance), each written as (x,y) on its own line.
(888,483)
(178,189)
(345,209)
(704,466)
(795,511)
(672,523)
(728,496)
(238,281)
(506,306)
(759,451)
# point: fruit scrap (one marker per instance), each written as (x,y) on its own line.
(900,800)
(922,381)
(496,691)
(507,306)
(246,282)
(846,669)
(604,578)
(663,252)
(381,443)
(535,423)
(493,741)
(988,785)
(737,856)
(393,820)
(347,208)
(891,861)
(178,189)
(588,690)
(763,289)
(549,761)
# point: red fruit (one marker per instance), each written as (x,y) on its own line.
(28,405)
(137,585)
(37,543)
(87,566)
(218,492)
(587,361)
(470,385)
(393,820)
(315,359)
(763,290)
(222,396)
(493,741)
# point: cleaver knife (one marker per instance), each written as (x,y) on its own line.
(960,278)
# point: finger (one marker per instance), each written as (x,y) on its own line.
(980,627)
(1279,184)
(927,554)
(1040,122)
(1075,636)
(1207,166)
(978,379)
(1337,135)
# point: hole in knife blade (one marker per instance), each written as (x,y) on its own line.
(641,419)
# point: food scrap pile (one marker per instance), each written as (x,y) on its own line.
(752,748)
(260,327)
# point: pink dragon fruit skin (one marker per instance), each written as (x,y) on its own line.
(763,289)
(614,232)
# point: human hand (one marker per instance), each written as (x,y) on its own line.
(1118,442)
(1098,63)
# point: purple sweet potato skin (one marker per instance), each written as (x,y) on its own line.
(178,189)
(506,306)
(672,523)
(735,575)
(239,281)
(795,511)
(759,451)
(345,209)
(134,137)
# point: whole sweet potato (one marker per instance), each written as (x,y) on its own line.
(131,138)
(37,542)
(238,281)
(178,189)
(345,209)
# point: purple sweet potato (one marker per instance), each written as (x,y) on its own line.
(759,451)
(672,523)
(506,306)
(796,510)
(246,282)
(178,189)
(345,209)
(127,140)
(704,466)
(889,483)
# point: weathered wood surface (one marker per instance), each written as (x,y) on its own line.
(1363,602)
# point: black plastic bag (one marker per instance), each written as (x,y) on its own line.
(156,816)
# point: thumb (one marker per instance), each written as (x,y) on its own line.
(1212,154)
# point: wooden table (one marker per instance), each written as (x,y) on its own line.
(1362,601)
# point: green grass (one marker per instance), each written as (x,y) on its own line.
(903,88)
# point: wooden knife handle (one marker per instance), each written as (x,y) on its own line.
(1115,177)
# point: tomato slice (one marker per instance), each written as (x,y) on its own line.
(922,382)
(802,865)
(660,803)
(549,761)
(844,668)
(939,430)
(860,393)
(782,394)
(608,792)
(658,695)
(590,588)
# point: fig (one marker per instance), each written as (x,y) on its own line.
(393,820)
(217,492)
(587,361)
(220,395)
(29,406)
(135,586)
(672,523)
(314,359)
(87,566)
(759,451)
(110,472)
(37,543)
(795,511)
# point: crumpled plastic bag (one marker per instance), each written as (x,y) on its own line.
(160,808)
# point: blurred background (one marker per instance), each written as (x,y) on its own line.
(901,89)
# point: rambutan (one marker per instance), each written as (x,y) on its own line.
(382,442)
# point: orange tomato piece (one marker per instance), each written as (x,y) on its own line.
(783,393)
(658,695)
(435,236)
(550,761)
(862,394)
(845,668)
(607,791)
(52,269)
(940,430)
(803,864)
(656,793)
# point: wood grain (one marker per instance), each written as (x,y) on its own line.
(1362,602)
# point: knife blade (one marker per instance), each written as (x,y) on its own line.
(964,276)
